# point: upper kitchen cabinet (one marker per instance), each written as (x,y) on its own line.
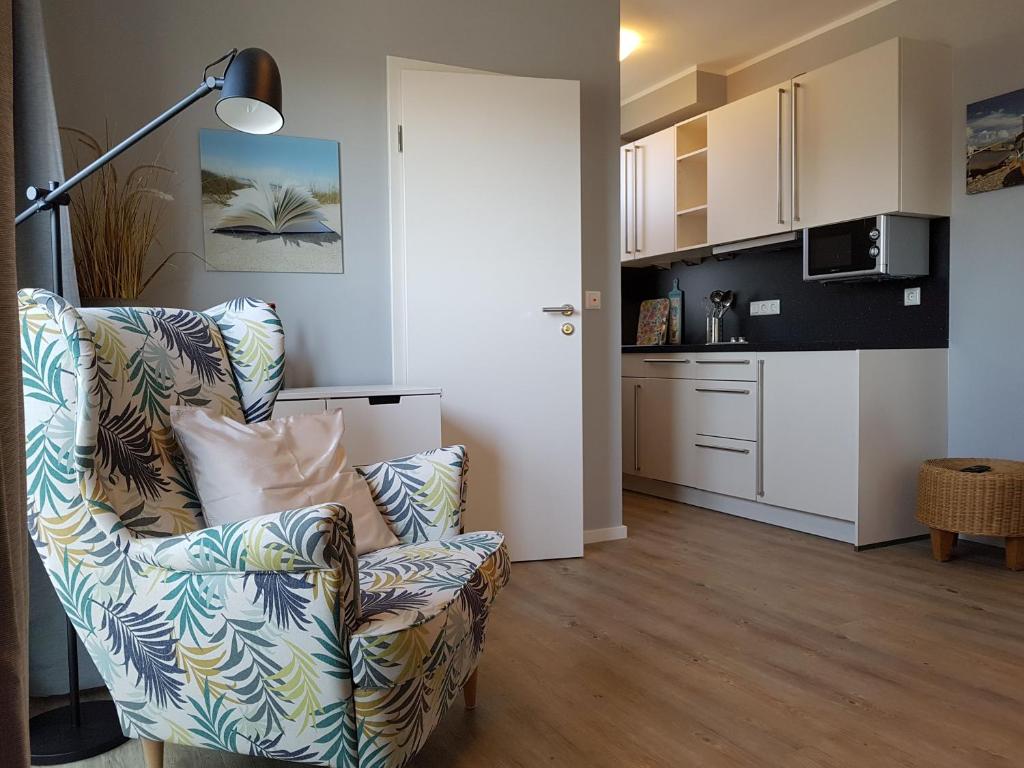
(870,135)
(664,192)
(647,196)
(865,135)
(748,178)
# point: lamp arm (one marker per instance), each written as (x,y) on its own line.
(209,85)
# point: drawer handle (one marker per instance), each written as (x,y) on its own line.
(721,448)
(385,399)
(652,360)
(723,391)
(722,362)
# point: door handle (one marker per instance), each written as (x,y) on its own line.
(722,362)
(778,156)
(759,489)
(565,309)
(636,220)
(795,168)
(721,448)
(723,391)
(627,154)
(636,427)
(659,360)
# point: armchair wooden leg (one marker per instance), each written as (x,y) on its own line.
(469,690)
(154,753)
(942,544)
(1015,553)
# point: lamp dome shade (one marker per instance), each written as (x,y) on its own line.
(251,95)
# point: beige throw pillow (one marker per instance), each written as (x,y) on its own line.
(247,470)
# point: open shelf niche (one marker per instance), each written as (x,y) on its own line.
(692,183)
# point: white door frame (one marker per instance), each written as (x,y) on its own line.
(396,209)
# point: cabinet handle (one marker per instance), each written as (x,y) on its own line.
(723,391)
(778,156)
(721,448)
(759,437)
(637,242)
(636,427)
(722,362)
(625,225)
(795,192)
(660,360)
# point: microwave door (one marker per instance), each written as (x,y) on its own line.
(840,249)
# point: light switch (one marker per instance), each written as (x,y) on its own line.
(592,300)
(911,297)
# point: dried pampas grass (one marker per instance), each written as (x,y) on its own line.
(114,222)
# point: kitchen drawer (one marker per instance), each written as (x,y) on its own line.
(389,426)
(722,409)
(723,366)
(658,366)
(720,465)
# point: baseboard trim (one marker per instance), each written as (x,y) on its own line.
(594,535)
(816,525)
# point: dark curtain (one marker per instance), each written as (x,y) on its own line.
(13,540)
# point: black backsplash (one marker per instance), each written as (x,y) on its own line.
(866,315)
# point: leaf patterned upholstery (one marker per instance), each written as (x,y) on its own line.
(237,637)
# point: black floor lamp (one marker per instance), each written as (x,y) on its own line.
(251,102)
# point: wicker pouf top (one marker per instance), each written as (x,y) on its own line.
(989,503)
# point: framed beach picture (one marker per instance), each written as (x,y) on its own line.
(995,142)
(270,203)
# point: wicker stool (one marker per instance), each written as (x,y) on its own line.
(951,502)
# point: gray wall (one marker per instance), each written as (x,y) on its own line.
(986,360)
(122,61)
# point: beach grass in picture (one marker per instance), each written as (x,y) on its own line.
(270,203)
(995,142)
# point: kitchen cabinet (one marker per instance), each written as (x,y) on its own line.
(825,442)
(856,138)
(872,120)
(809,431)
(381,422)
(749,159)
(647,195)
(654,444)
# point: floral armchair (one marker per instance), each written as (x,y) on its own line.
(266,637)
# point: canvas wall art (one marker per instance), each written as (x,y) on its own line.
(995,142)
(270,203)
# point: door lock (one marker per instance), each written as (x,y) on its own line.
(568,329)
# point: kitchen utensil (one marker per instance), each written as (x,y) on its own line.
(675,314)
(653,323)
(727,299)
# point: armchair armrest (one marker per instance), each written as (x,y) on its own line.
(306,539)
(421,497)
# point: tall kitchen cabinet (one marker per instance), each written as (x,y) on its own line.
(859,137)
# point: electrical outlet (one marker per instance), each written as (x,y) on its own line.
(911,297)
(592,300)
(769,307)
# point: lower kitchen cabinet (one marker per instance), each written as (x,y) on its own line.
(825,442)
(809,435)
(655,442)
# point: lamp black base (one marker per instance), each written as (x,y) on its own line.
(56,741)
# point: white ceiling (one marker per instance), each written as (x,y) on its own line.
(717,35)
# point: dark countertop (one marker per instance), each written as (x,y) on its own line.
(810,346)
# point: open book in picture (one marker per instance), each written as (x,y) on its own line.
(274,210)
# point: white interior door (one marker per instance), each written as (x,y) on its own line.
(490,176)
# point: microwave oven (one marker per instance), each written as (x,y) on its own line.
(877,248)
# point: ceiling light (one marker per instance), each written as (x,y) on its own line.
(629,41)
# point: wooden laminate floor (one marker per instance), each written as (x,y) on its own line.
(707,640)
